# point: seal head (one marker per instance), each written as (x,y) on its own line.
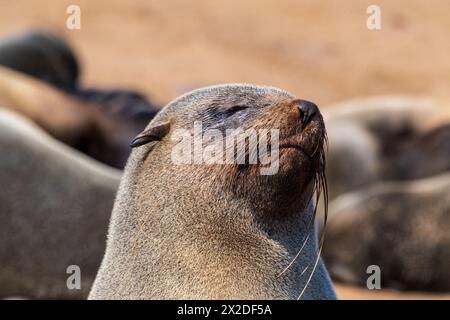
(219,230)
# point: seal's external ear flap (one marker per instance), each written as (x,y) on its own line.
(154,133)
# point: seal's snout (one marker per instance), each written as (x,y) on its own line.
(307,110)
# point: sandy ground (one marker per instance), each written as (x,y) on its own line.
(346,292)
(319,50)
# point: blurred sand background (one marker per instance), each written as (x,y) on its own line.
(319,50)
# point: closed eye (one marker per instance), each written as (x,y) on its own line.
(223,113)
(235,109)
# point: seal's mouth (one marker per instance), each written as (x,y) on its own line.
(297,147)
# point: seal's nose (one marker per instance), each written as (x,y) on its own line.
(307,111)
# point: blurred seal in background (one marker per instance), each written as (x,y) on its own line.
(383,213)
(402,227)
(386,138)
(42,55)
(103,136)
(54,212)
(49,58)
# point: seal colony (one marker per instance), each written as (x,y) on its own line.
(55,208)
(383,152)
(220,231)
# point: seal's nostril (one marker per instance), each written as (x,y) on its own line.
(307,111)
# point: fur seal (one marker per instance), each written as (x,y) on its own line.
(189,231)
(403,227)
(42,55)
(55,207)
(386,138)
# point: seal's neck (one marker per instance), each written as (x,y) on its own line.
(276,252)
(171,243)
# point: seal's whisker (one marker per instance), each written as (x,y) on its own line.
(310,224)
(324,188)
(299,252)
(304,270)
